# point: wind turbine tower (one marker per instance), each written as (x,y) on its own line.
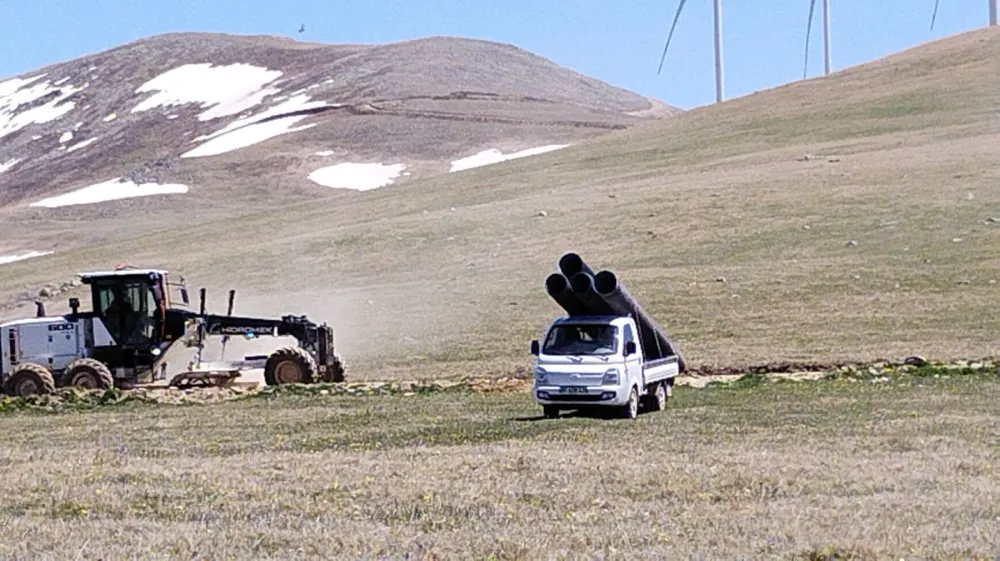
(826,36)
(718,46)
(992,6)
(718,51)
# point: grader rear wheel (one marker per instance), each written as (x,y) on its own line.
(29,379)
(89,374)
(289,365)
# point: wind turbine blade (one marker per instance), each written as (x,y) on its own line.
(934,15)
(671,34)
(809,24)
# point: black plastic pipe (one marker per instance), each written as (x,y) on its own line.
(559,289)
(655,341)
(582,284)
(571,264)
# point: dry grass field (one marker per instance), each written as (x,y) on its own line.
(835,469)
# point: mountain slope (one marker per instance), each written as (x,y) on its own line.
(850,217)
(238,123)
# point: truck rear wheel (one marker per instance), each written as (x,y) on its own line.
(89,374)
(631,408)
(30,379)
(656,398)
(289,365)
(658,401)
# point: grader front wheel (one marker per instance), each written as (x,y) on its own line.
(335,372)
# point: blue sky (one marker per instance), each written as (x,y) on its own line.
(763,40)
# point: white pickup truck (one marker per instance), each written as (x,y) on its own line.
(598,361)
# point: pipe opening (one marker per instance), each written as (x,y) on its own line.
(556,283)
(570,264)
(582,283)
(605,282)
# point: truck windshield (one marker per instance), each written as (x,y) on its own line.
(581,339)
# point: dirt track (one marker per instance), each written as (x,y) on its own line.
(252,384)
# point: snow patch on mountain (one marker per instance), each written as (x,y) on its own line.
(12,257)
(293,105)
(493,156)
(81,144)
(24,92)
(111,190)
(4,166)
(247,136)
(221,90)
(360,177)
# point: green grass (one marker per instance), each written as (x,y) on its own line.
(888,469)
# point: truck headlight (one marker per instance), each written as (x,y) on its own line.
(541,376)
(610,377)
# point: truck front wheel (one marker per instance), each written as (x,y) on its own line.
(550,411)
(631,408)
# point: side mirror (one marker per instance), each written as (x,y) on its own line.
(74,304)
(534,347)
(184,297)
(630,348)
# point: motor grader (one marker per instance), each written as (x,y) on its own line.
(133,322)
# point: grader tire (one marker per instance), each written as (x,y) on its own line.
(289,365)
(30,379)
(89,374)
(335,373)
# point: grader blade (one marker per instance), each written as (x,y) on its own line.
(204,378)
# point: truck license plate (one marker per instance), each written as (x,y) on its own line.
(573,389)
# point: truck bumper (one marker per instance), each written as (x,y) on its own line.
(594,396)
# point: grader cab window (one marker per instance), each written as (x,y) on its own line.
(127,308)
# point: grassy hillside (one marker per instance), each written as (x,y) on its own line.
(730,223)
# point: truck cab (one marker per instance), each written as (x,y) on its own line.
(598,361)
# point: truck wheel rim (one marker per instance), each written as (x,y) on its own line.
(287,372)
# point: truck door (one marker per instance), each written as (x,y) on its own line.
(633,364)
